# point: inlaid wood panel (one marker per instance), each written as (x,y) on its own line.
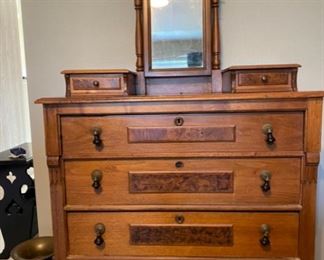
(184,235)
(196,181)
(77,134)
(202,234)
(181,182)
(181,134)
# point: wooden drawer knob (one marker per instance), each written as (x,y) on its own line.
(96,83)
(264,79)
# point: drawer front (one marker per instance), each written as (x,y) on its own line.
(261,182)
(107,84)
(203,234)
(263,78)
(152,135)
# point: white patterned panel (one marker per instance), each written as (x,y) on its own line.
(2,242)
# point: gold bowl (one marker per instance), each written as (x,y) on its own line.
(40,248)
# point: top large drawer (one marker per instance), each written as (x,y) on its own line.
(153,135)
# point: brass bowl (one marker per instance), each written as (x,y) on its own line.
(39,248)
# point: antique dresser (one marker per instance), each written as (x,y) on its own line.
(182,170)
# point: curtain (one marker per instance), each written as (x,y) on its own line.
(14,113)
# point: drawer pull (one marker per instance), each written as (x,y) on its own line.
(179,219)
(100,230)
(178,121)
(266,176)
(96,177)
(268,131)
(96,83)
(96,137)
(265,240)
(264,79)
(179,164)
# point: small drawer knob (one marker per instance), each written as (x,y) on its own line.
(96,177)
(179,219)
(264,79)
(99,230)
(268,131)
(178,121)
(266,177)
(96,83)
(96,132)
(265,240)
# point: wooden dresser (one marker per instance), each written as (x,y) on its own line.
(219,176)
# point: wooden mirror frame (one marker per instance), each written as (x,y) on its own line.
(211,48)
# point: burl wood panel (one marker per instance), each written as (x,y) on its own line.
(246,234)
(115,190)
(77,135)
(255,79)
(181,235)
(181,134)
(184,182)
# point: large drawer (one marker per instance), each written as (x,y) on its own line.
(152,135)
(188,234)
(263,181)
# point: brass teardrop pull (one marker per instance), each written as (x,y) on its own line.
(268,131)
(96,177)
(265,240)
(96,132)
(266,177)
(99,230)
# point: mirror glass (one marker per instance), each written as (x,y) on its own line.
(176,34)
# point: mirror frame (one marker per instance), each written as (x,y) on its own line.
(211,42)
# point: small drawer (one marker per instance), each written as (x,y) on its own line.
(260,78)
(97,83)
(258,182)
(157,135)
(183,234)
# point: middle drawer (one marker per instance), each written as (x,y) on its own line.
(262,181)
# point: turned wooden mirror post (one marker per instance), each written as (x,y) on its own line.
(177,47)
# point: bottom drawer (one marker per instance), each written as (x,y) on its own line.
(187,234)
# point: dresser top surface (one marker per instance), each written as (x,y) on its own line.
(206,97)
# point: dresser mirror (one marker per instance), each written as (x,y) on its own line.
(177,42)
(177,34)
(177,37)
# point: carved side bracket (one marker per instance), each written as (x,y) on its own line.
(53,161)
(312,159)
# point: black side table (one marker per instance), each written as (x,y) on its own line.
(18,218)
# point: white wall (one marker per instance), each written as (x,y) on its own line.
(61,34)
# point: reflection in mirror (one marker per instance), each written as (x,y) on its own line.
(177,34)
